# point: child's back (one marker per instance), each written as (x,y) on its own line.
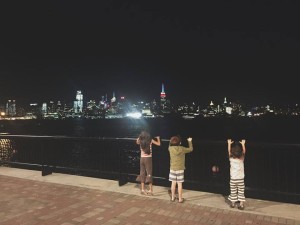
(236,153)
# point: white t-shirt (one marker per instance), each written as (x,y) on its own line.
(236,168)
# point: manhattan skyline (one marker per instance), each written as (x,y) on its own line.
(200,51)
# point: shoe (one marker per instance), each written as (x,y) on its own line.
(232,205)
(150,193)
(170,194)
(181,201)
(241,207)
(172,200)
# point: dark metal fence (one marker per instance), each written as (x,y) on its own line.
(272,170)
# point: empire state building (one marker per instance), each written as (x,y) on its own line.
(162,97)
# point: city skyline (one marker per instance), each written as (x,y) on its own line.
(123,108)
(202,51)
(134,100)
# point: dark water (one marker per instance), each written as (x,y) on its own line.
(263,129)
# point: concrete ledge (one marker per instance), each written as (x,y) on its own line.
(255,206)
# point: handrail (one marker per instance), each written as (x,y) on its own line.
(269,172)
(256,143)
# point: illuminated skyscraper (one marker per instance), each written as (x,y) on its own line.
(78,103)
(162,97)
(162,93)
(11,108)
(113,98)
(59,107)
(211,109)
(226,107)
(44,108)
(51,107)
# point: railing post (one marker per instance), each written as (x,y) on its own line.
(122,172)
(46,169)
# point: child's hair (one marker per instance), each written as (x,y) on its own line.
(145,141)
(175,140)
(236,150)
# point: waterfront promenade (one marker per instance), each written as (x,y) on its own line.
(28,198)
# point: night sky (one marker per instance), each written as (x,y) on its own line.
(247,51)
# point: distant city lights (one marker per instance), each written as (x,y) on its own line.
(135,115)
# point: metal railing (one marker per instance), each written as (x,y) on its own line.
(272,170)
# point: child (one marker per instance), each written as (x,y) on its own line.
(177,165)
(145,142)
(236,153)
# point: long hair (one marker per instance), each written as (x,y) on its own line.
(145,141)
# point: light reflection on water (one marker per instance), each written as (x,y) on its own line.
(219,129)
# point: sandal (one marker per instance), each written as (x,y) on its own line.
(172,199)
(241,207)
(150,193)
(181,201)
(143,192)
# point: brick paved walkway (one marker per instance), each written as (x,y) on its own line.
(32,202)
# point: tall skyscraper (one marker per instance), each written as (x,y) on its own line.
(113,99)
(162,97)
(78,103)
(11,108)
(44,108)
(51,107)
(162,93)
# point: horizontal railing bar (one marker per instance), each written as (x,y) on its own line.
(55,137)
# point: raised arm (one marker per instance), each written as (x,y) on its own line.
(229,142)
(243,143)
(190,148)
(157,141)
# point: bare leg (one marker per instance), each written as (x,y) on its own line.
(143,187)
(173,188)
(179,192)
(150,188)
